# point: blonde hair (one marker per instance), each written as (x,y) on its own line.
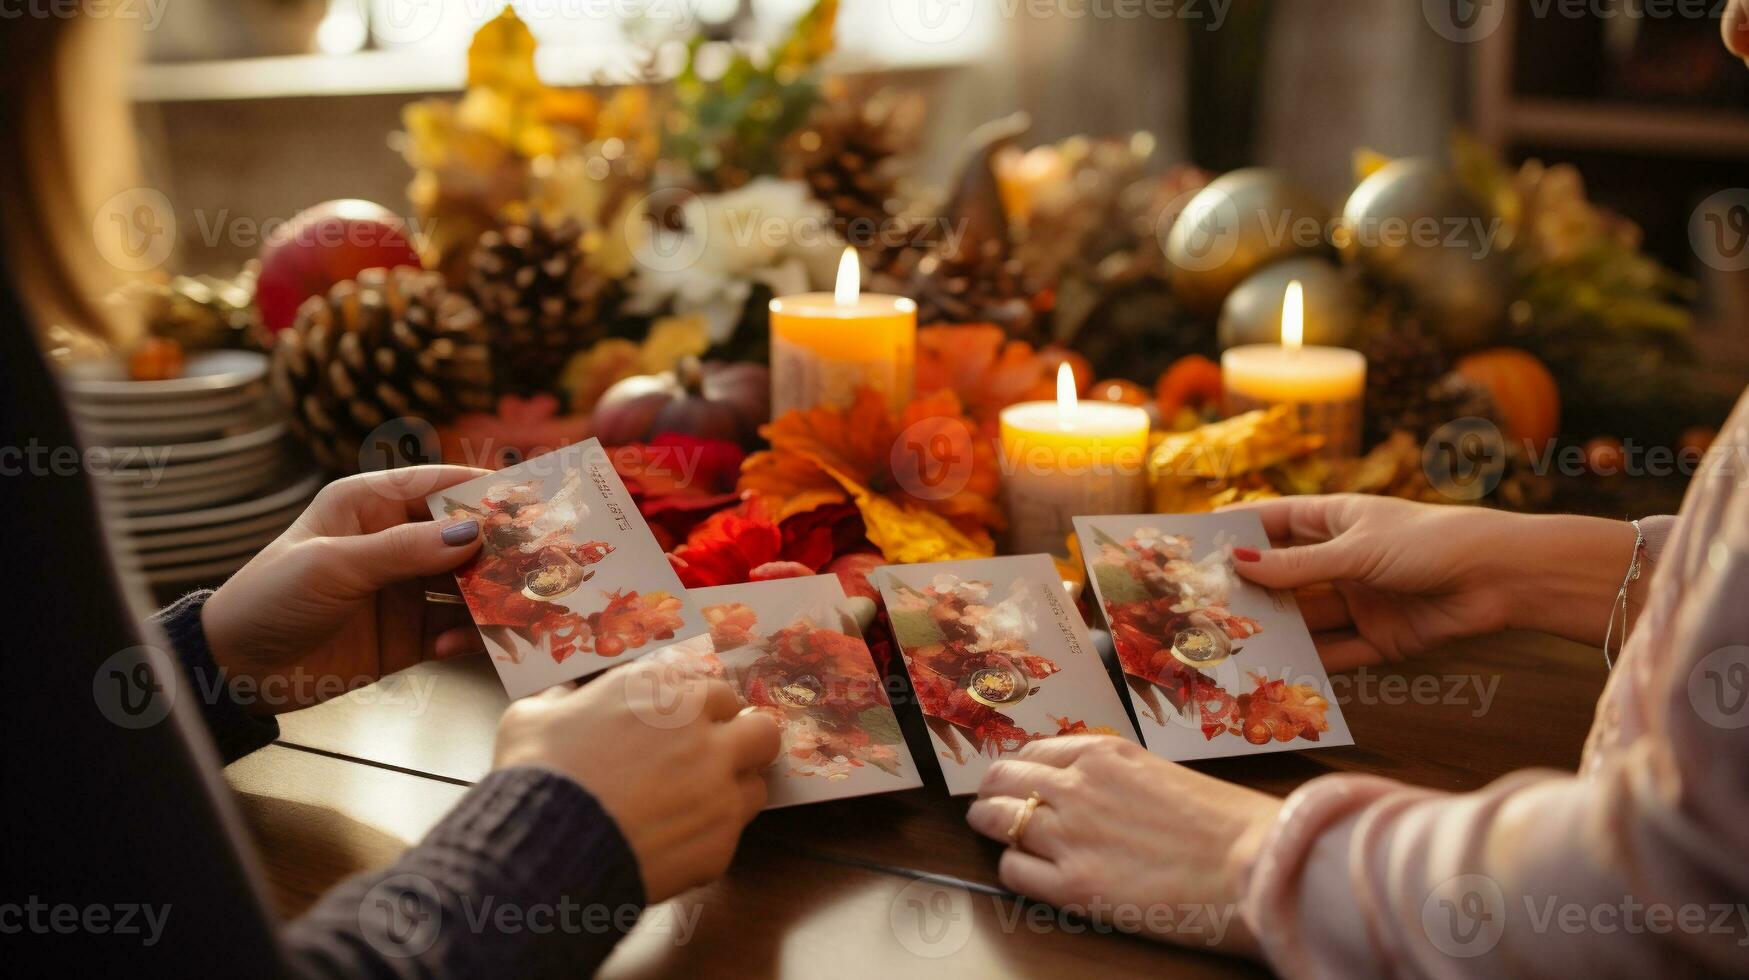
(66,148)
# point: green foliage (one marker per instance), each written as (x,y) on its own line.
(728,129)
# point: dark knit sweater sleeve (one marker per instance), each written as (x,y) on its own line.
(527,876)
(235,731)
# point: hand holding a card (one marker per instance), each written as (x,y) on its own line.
(341,594)
(1391,578)
(669,755)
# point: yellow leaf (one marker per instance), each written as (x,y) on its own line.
(501,55)
(909,535)
(672,338)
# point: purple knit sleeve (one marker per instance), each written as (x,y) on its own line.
(235,731)
(528,876)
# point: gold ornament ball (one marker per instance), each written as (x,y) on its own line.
(1414,227)
(1252,314)
(1235,226)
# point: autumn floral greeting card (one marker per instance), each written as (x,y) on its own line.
(1215,666)
(569,580)
(998,657)
(792,648)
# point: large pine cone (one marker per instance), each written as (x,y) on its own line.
(541,300)
(849,155)
(394,343)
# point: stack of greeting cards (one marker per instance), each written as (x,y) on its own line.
(570,582)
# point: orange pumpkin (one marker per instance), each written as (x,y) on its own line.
(1522,388)
(1120,392)
(1192,381)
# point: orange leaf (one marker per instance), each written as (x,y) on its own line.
(981,365)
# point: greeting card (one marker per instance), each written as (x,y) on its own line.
(792,648)
(998,657)
(1215,665)
(569,581)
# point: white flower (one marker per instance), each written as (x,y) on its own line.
(771,231)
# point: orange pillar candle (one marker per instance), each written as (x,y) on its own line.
(824,346)
(1324,384)
(1068,458)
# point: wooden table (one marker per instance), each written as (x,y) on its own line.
(886,886)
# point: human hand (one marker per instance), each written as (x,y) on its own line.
(1381,578)
(1734,25)
(341,594)
(671,757)
(1143,844)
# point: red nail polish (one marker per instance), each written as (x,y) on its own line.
(1247,554)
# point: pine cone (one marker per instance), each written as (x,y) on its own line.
(849,156)
(392,344)
(985,288)
(1403,363)
(541,300)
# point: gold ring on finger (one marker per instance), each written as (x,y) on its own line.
(1017,830)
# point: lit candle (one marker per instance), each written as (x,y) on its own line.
(1069,458)
(824,346)
(1326,384)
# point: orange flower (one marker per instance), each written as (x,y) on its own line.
(925,481)
(981,365)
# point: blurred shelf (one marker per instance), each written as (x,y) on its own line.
(1628,127)
(422,71)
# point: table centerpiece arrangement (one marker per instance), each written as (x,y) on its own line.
(800,360)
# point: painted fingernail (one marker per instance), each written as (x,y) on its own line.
(1247,554)
(462,533)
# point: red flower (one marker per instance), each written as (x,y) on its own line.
(677,481)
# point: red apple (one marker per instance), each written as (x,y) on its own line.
(324,245)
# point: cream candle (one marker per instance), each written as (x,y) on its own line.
(824,346)
(1325,384)
(1069,458)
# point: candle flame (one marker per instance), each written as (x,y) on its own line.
(1066,397)
(849,279)
(1293,316)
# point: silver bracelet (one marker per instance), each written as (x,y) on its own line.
(1620,609)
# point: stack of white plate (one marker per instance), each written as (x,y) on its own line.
(195,472)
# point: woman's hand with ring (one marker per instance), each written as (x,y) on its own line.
(1141,844)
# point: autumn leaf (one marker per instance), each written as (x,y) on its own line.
(925,481)
(979,364)
(911,535)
